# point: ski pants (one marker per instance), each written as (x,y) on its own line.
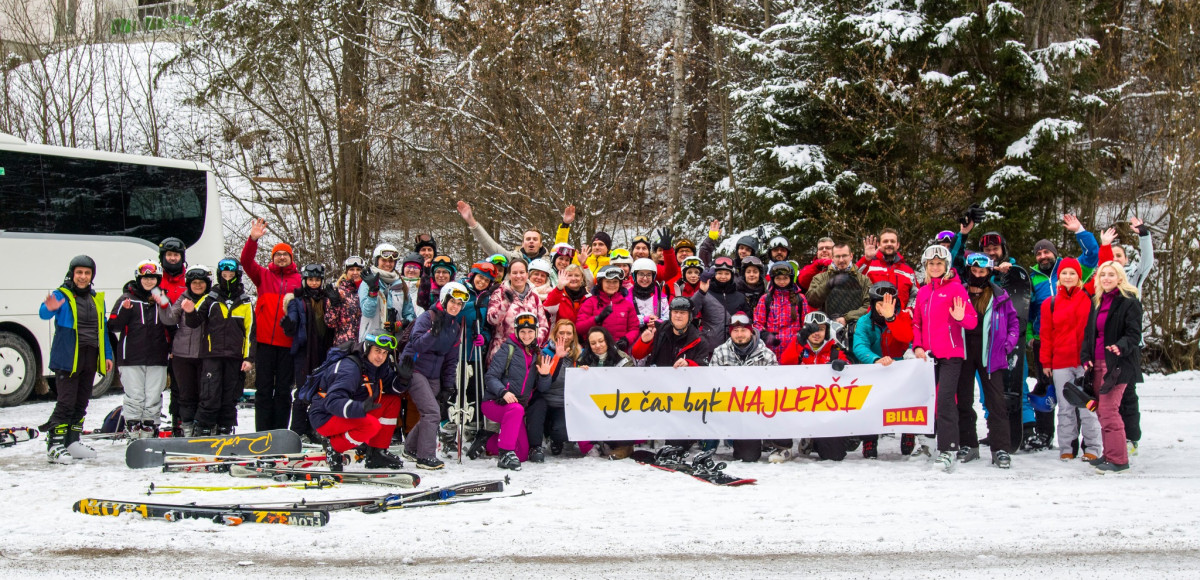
(375,429)
(1131,414)
(74,390)
(992,386)
(946,406)
(1111,423)
(422,440)
(1072,420)
(299,422)
(187,373)
(220,388)
(541,418)
(273,381)
(830,448)
(513,436)
(143,392)
(751,450)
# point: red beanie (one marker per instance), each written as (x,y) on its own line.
(282,247)
(1071,263)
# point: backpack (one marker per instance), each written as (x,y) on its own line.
(323,374)
(114,421)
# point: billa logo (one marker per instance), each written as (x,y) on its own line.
(905,416)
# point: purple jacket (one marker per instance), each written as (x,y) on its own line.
(1001,330)
(435,356)
(933,328)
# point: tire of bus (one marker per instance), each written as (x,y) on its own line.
(105,383)
(18,369)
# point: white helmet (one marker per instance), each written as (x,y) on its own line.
(450,290)
(384,247)
(541,265)
(936,251)
(644,265)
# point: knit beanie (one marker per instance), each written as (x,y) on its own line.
(603,237)
(282,247)
(1045,245)
(1071,263)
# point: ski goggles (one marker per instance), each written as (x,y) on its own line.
(739,319)
(619,253)
(498,260)
(442,261)
(424,239)
(693,262)
(816,317)
(384,341)
(723,263)
(945,236)
(147,269)
(640,240)
(781,269)
(227,265)
(611,273)
(392,255)
(566,252)
(459,295)
(525,320)
(991,240)
(979,261)
(354,262)
(313,271)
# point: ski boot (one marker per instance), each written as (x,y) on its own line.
(382,459)
(133,430)
(1036,442)
(76,447)
(421,462)
(537,455)
(780,456)
(479,445)
(187,429)
(335,459)
(56,443)
(968,454)
(1001,459)
(508,460)
(448,438)
(556,448)
(225,430)
(150,429)
(946,460)
(805,448)
(869,451)
(668,455)
(908,442)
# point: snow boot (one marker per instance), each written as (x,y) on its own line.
(382,459)
(556,448)
(508,460)
(536,455)
(908,442)
(1097,462)
(1106,468)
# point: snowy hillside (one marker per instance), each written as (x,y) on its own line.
(891,518)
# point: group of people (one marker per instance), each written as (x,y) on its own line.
(404,344)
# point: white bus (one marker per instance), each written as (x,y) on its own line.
(57,203)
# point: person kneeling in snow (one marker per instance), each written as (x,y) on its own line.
(812,347)
(358,401)
(511,383)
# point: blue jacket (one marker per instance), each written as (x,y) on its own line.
(349,383)
(1045,286)
(518,376)
(474,310)
(396,297)
(64,347)
(435,355)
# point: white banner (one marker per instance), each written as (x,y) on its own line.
(779,402)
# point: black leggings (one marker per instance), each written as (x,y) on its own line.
(187,373)
(541,418)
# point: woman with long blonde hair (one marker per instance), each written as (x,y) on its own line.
(1112,353)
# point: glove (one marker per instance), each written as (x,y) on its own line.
(977,213)
(708,275)
(622,344)
(444,396)
(479,340)
(370,405)
(1142,230)
(769,338)
(405,370)
(289,326)
(335,297)
(1043,384)
(603,314)
(1110,381)
(839,365)
(666,238)
(807,331)
(371,278)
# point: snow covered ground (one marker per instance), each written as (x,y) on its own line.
(590,517)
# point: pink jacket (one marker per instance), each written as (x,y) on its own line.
(933,328)
(622,322)
(502,315)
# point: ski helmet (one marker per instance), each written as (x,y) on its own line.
(1044,403)
(563,249)
(690,263)
(778,242)
(354,262)
(384,250)
(753,261)
(443,263)
(723,263)
(880,288)
(147,269)
(453,290)
(620,256)
(685,243)
(385,342)
(229,265)
(777,268)
(199,272)
(172,245)
(644,265)
(749,242)
(80,261)
(936,251)
(541,265)
(413,258)
(525,320)
(994,239)
(313,271)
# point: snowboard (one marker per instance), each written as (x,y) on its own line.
(143,453)
(10,436)
(227,515)
(702,466)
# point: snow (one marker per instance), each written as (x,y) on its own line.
(806,159)
(949,32)
(1067,51)
(895,517)
(1049,129)
(885,26)
(936,78)
(1009,174)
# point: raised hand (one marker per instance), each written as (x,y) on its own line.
(258,228)
(1072,223)
(126,304)
(53,303)
(959,311)
(569,214)
(965,228)
(715,226)
(187,305)
(1108,236)
(560,347)
(886,307)
(648,334)
(544,364)
(870,246)
(703,285)
(464,210)
(1135,222)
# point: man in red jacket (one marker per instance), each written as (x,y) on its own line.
(819,264)
(887,263)
(273,358)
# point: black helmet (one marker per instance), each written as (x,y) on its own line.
(199,272)
(681,303)
(882,287)
(81,261)
(749,242)
(172,245)
(313,271)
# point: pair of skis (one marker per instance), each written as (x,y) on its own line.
(462,411)
(385,478)
(702,466)
(199,463)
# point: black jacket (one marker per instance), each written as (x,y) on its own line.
(1122,328)
(142,329)
(228,322)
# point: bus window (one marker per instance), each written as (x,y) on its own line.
(21,190)
(163,202)
(84,196)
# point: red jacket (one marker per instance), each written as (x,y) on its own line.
(810,271)
(174,285)
(798,354)
(897,272)
(273,284)
(561,306)
(1064,318)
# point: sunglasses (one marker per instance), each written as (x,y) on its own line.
(384,341)
(619,253)
(227,266)
(147,270)
(612,274)
(816,318)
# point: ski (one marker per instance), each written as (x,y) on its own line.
(10,436)
(437,502)
(388,478)
(187,463)
(227,515)
(466,489)
(153,452)
(170,489)
(702,467)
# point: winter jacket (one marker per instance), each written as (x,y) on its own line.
(896,271)
(174,285)
(556,392)
(1001,330)
(228,322)
(615,359)
(141,329)
(1064,319)
(514,370)
(491,246)
(690,346)
(435,355)
(933,328)
(560,305)
(474,320)
(188,342)
(1136,272)
(344,317)
(797,354)
(781,312)
(1123,328)
(305,323)
(1046,285)
(729,297)
(753,294)
(273,283)
(396,305)
(807,273)
(873,341)
(656,306)
(726,356)
(621,322)
(822,295)
(503,308)
(707,309)
(350,382)
(64,347)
